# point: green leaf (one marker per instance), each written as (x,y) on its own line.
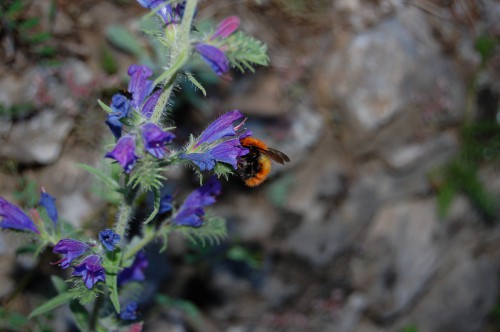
(112,266)
(212,231)
(53,303)
(124,40)
(485,45)
(39,37)
(156,205)
(444,198)
(80,315)
(223,170)
(59,284)
(100,174)
(105,107)
(29,23)
(245,51)
(15,8)
(196,83)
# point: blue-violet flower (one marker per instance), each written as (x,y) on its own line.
(109,239)
(70,249)
(169,14)
(14,218)
(214,57)
(91,271)
(120,105)
(129,312)
(155,139)
(49,203)
(134,272)
(191,212)
(124,153)
(214,144)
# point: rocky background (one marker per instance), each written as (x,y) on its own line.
(383,221)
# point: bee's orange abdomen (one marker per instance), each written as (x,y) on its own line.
(261,175)
(250,141)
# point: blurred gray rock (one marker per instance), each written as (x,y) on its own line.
(38,140)
(401,254)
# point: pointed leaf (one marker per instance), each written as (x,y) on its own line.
(196,83)
(156,206)
(100,174)
(104,107)
(53,303)
(59,284)
(80,315)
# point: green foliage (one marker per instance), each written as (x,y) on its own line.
(480,145)
(111,264)
(101,175)
(279,190)
(223,170)
(29,193)
(12,320)
(53,303)
(15,112)
(245,51)
(81,293)
(186,307)
(211,232)
(121,38)
(147,175)
(485,45)
(24,31)
(108,62)
(409,328)
(242,254)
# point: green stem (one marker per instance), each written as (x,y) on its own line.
(179,58)
(123,218)
(149,235)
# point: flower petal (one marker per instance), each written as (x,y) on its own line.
(70,249)
(139,84)
(124,153)
(49,203)
(91,271)
(155,139)
(214,57)
(226,27)
(221,127)
(15,218)
(109,239)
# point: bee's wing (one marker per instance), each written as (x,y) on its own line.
(275,155)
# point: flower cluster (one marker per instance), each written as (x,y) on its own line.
(144,148)
(219,142)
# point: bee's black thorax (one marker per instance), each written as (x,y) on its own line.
(248,165)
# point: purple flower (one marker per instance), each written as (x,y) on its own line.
(155,139)
(129,312)
(210,147)
(49,203)
(226,27)
(14,218)
(109,239)
(220,128)
(139,84)
(166,203)
(134,272)
(191,212)
(120,105)
(214,57)
(91,271)
(169,14)
(124,153)
(149,105)
(70,249)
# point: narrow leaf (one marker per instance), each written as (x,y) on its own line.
(196,83)
(124,40)
(100,174)
(59,284)
(105,107)
(53,303)
(156,206)
(81,316)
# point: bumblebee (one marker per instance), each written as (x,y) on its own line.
(254,167)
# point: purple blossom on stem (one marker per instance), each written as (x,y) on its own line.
(70,249)
(124,153)
(49,203)
(120,105)
(226,27)
(109,239)
(219,150)
(191,212)
(155,139)
(214,57)
(169,14)
(166,203)
(134,272)
(129,312)
(139,84)
(149,105)
(91,271)
(14,218)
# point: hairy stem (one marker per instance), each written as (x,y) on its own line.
(179,58)
(149,235)
(123,218)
